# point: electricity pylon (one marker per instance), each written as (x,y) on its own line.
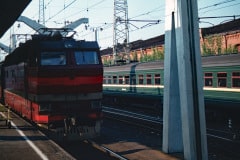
(120,29)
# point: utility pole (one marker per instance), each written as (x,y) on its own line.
(41,12)
(120,28)
(95,30)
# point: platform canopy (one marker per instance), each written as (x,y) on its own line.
(10,10)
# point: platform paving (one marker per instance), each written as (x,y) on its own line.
(24,142)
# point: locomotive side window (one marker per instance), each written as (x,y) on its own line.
(208,79)
(222,79)
(53,58)
(86,57)
(236,79)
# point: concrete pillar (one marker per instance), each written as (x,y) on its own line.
(190,82)
(172,128)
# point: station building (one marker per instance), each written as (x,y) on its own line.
(220,39)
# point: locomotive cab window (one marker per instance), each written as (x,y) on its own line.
(86,57)
(53,58)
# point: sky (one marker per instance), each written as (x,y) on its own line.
(100,15)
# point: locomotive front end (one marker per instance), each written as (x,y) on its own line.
(66,86)
(55,81)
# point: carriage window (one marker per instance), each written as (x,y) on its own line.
(120,80)
(133,79)
(222,79)
(126,79)
(236,79)
(149,79)
(140,79)
(53,58)
(208,79)
(109,80)
(114,79)
(86,57)
(157,78)
(105,80)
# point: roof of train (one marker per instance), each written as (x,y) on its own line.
(221,60)
(207,61)
(47,43)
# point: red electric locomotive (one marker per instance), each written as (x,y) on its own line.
(56,80)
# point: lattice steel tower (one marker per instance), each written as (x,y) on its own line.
(41,12)
(120,28)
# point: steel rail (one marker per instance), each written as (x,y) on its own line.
(120,112)
(158,120)
(105,149)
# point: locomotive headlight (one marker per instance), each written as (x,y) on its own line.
(96,105)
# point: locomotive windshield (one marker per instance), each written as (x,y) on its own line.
(86,57)
(53,58)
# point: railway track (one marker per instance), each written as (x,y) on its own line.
(223,144)
(123,115)
(216,138)
(224,135)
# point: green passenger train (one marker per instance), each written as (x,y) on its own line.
(142,84)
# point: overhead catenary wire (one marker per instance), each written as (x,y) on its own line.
(106,25)
(65,7)
(216,4)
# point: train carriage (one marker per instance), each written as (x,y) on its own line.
(133,84)
(55,80)
(142,84)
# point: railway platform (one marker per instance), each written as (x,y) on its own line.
(23,141)
(133,142)
(134,150)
